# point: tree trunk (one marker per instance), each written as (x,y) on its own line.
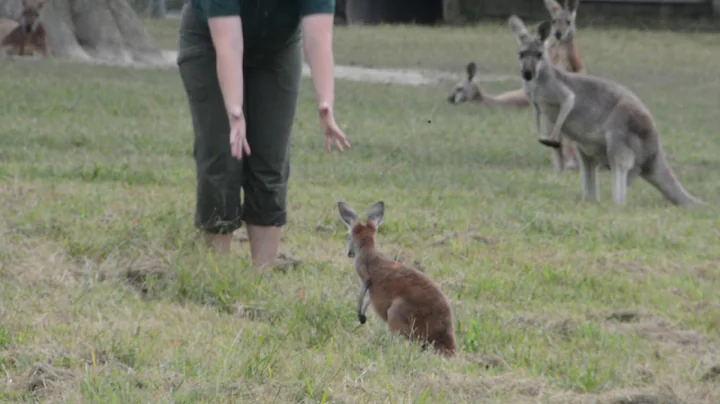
(340,15)
(108,30)
(10,8)
(157,9)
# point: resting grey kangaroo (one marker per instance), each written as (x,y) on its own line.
(406,299)
(610,125)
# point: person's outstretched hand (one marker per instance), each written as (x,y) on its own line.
(238,141)
(333,134)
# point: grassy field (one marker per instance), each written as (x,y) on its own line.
(106,297)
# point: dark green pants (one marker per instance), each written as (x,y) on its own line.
(272,82)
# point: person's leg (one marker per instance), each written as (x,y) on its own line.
(218,174)
(272,85)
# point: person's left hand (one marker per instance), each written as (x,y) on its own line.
(333,134)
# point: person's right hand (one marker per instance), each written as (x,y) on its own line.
(238,141)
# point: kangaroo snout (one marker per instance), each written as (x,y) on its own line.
(558,34)
(527,75)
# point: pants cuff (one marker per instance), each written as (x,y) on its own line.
(218,226)
(266,219)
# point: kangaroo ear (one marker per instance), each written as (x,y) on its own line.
(544,30)
(572,5)
(518,28)
(376,212)
(553,6)
(471,70)
(347,214)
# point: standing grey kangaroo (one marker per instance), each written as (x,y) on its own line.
(610,125)
(406,299)
(563,52)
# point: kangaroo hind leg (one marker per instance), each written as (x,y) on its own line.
(558,158)
(622,161)
(402,320)
(398,318)
(569,154)
(588,170)
(444,341)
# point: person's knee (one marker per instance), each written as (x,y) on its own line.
(211,149)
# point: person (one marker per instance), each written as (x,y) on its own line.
(240,62)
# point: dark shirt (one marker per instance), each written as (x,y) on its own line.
(266,23)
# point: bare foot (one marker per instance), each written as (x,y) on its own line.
(282,263)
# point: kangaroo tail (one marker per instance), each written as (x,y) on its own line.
(662,177)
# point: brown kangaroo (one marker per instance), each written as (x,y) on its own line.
(29,35)
(406,299)
(563,51)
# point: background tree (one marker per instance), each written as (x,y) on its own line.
(157,8)
(107,30)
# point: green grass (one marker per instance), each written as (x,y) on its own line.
(578,301)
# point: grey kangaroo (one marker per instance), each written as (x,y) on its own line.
(610,125)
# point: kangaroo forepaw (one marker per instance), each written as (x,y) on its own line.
(550,143)
(362,318)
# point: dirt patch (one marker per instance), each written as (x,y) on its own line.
(463,236)
(712,375)
(44,379)
(37,260)
(662,396)
(408,77)
(648,326)
(509,385)
(143,271)
(252,313)
(142,279)
(526,321)
(563,327)
(627,321)
(705,271)
(488,361)
(664,332)
(625,316)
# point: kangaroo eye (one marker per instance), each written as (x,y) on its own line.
(568,22)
